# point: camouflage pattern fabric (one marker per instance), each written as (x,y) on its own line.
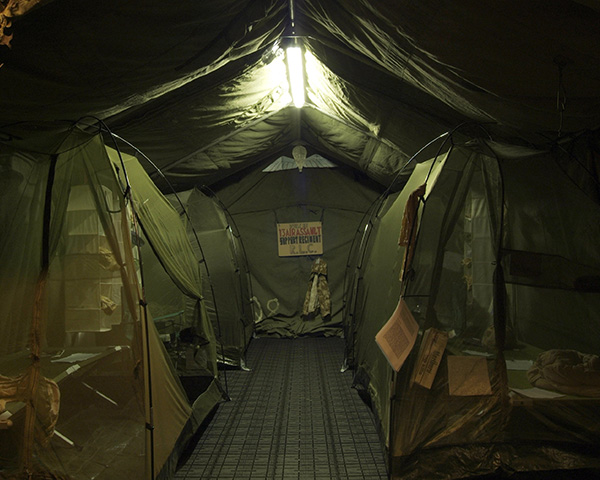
(318,297)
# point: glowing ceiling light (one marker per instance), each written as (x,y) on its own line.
(296,74)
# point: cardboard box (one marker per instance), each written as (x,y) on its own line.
(430,355)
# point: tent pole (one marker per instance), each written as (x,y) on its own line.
(150,410)
(499,300)
(144,321)
(35,340)
(145,330)
(232,221)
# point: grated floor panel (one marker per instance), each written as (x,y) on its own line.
(293,416)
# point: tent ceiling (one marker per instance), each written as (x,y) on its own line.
(201,87)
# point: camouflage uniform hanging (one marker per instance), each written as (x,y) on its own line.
(318,298)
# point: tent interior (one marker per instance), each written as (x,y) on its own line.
(173,184)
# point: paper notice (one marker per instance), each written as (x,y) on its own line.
(468,376)
(537,393)
(430,355)
(519,364)
(478,353)
(75,357)
(397,337)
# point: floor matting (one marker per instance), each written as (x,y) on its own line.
(293,416)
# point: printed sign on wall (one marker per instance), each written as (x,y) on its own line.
(304,238)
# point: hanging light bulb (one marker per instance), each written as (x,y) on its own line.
(299,154)
(296,74)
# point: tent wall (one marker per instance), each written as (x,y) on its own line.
(504,323)
(260,201)
(225,276)
(377,288)
(81,367)
(516,205)
(187,339)
(354,293)
(173,281)
(552,256)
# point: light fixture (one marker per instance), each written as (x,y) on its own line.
(299,154)
(296,74)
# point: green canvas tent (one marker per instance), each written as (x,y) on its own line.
(226,282)
(88,390)
(499,271)
(204,90)
(376,260)
(172,281)
(264,202)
